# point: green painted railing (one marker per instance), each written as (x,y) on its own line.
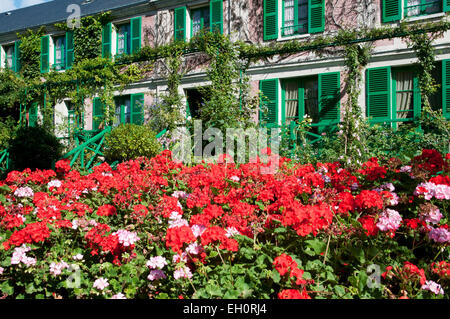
(161,133)
(4,161)
(88,151)
(312,138)
(89,146)
(81,136)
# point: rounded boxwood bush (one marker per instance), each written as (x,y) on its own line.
(34,148)
(130,141)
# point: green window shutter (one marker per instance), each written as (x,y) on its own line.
(17,57)
(45,54)
(136,31)
(180,24)
(417,98)
(98,113)
(316,21)
(392,10)
(137,108)
(446,5)
(122,114)
(216,15)
(106,40)
(188,110)
(270,19)
(69,49)
(269,102)
(329,95)
(378,92)
(446,88)
(33,115)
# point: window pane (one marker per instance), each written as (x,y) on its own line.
(302,16)
(413,8)
(436,98)
(127,109)
(196,21)
(404,94)
(123,110)
(295,17)
(291,100)
(206,18)
(200,20)
(289,17)
(312,100)
(60,53)
(420,7)
(123,39)
(118,113)
(432,6)
(9,56)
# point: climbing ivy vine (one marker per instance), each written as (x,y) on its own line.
(228,102)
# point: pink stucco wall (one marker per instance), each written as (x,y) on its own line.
(88,108)
(148,101)
(254,91)
(148,24)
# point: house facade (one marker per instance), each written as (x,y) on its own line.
(295,85)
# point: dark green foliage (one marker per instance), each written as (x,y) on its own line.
(8,130)
(10,92)
(87,40)
(130,141)
(30,50)
(34,148)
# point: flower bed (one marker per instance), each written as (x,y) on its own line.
(154,228)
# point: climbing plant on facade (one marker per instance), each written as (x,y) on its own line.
(224,108)
(353,126)
(227,102)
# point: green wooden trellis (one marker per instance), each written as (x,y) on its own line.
(89,151)
(4,161)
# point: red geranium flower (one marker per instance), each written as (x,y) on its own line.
(293,294)
(106,210)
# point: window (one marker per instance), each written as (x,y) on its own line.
(123,110)
(63,52)
(393,94)
(316,96)
(128,37)
(73,119)
(188,22)
(300,99)
(295,17)
(10,56)
(422,7)
(128,109)
(395,10)
(123,39)
(33,115)
(200,20)
(195,99)
(60,53)
(404,85)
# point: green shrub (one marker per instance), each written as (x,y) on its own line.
(8,128)
(34,147)
(129,141)
(405,142)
